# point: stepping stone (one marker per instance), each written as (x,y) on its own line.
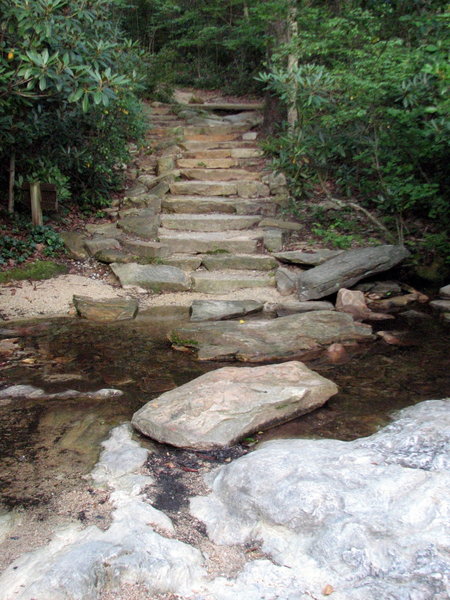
(157,278)
(220,174)
(110,255)
(101,243)
(236,242)
(74,242)
(192,145)
(211,137)
(217,310)
(143,223)
(203,223)
(246,153)
(217,204)
(146,249)
(182,261)
(110,309)
(222,283)
(252,189)
(206,163)
(204,188)
(251,262)
(207,154)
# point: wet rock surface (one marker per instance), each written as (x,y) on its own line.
(264,340)
(217,310)
(221,407)
(109,309)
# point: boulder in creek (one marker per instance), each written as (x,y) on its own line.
(367,518)
(353,302)
(221,407)
(269,339)
(216,310)
(106,309)
(348,268)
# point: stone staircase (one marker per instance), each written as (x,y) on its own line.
(201,214)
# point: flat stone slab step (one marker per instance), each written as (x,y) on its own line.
(241,188)
(222,282)
(227,106)
(220,174)
(222,153)
(236,242)
(239,262)
(218,204)
(207,163)
(210,144)
(198,222)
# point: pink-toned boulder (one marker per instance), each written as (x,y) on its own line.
(353,302)
(221,407)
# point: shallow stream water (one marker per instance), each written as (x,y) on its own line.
(47,446)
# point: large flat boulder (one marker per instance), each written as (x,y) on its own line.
(157,278)
(221,407)
(360,520)
(269,339)
(348,268)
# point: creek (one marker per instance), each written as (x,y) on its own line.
(47,446)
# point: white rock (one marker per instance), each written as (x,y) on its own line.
(368,517)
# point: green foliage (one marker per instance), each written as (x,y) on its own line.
(68,83)
(371,91)
(21,245)
(40,269)
(206,44)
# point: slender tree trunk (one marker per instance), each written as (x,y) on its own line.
(12,179)
(292,34)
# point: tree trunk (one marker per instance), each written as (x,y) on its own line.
(12,179)
(292,34)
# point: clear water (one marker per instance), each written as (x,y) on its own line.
(47,446)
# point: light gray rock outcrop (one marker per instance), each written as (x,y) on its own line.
(347,269)
(221,407)
(216,310)
(366,519)
(292,307)
(157,278)
(83,563)
(264,340)
(444,292)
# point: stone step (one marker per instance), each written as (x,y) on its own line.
(236,242)
(219,204)
(193,146)
(216,128)
(229,281)
(239,262)
(212,222)
(212,137)
(207,163)
(220,174)
(242,188)
(227,106)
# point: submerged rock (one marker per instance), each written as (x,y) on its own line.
(221,407)
(264,340)
(29,391)
(347,269)
(366,518)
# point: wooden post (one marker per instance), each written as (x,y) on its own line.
(12,177)
(36,210)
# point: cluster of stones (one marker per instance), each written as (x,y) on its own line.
(442,304)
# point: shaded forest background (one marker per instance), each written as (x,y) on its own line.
(368,80)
